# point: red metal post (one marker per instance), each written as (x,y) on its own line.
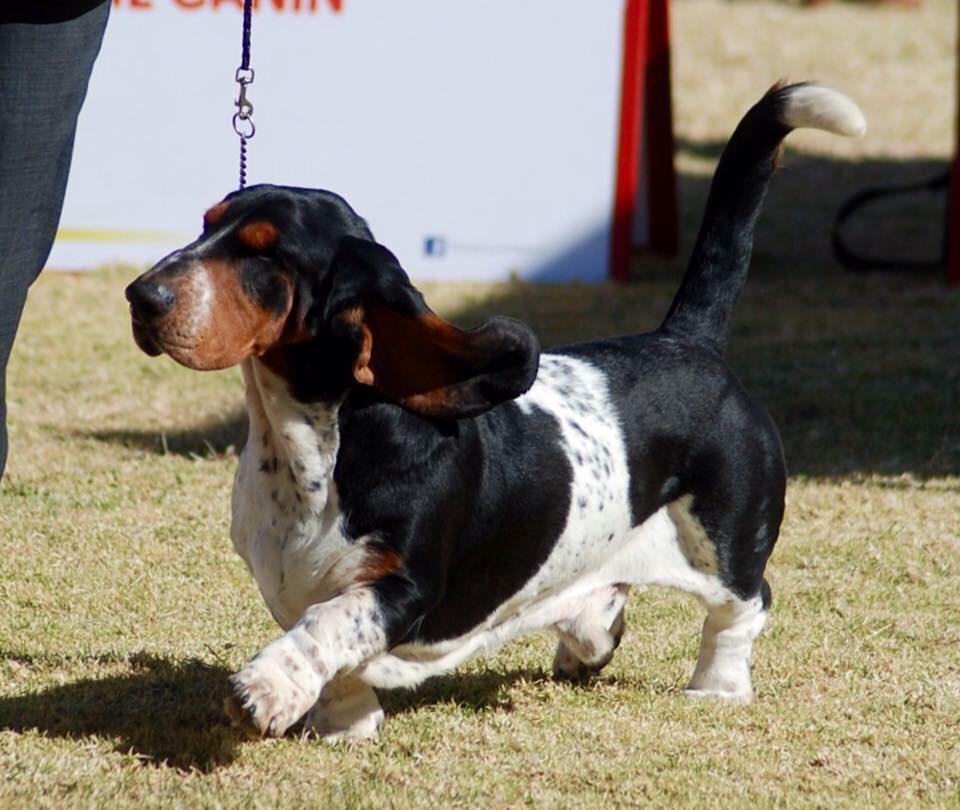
(662,199)
(636,16)
(646,137)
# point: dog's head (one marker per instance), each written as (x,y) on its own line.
(293,276)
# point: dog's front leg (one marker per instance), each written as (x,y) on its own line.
(285,679)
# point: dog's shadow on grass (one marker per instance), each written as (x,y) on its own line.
(168,713)
(165,712)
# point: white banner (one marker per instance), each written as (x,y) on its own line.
(478,139)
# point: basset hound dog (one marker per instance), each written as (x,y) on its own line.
(412,493)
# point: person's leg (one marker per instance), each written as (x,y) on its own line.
(44,70)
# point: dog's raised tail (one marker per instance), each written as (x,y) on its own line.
(717,271)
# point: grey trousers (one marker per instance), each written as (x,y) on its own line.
(44,70)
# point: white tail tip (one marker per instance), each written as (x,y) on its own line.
(818,107)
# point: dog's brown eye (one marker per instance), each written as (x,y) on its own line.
(263,285)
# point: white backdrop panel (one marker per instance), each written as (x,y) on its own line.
(477,138)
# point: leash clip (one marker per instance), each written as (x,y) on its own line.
(243,118)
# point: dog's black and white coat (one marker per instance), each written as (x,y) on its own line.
(412,494)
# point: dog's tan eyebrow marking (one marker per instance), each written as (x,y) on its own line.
(258,235)
(215,214)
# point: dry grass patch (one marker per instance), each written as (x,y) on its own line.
(125,608)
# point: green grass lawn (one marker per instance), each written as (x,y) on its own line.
(125,608)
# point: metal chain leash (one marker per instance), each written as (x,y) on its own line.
(243,117)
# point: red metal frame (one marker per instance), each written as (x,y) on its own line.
(628,154)
(646,129)
(658,114)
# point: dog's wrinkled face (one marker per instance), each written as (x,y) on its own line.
(294,277)
(231,293)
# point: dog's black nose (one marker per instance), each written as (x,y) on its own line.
(150,299)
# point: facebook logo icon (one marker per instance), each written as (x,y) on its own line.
(435,246)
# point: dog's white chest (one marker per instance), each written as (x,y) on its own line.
(285,513)
(290,547)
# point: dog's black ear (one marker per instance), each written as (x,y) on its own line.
(412,356)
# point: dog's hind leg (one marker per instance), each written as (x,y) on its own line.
(589,639)
(726,645)
(348,709)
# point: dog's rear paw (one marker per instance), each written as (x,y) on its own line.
(731,695)
(567,667)
(581,657)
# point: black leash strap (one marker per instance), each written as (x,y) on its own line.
(863,263)
(243,117)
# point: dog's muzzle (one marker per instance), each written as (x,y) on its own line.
(149,302)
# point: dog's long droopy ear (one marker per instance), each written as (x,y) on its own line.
(412,356)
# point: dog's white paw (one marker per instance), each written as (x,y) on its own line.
(264,699)
(732,695)
(347,710)
(587,643)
